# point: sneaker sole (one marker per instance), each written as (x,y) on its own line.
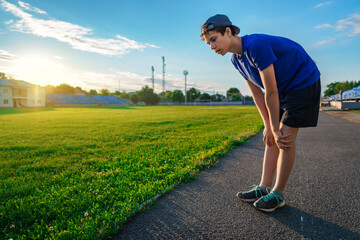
(271,209)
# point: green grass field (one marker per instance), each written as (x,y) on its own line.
(80,173)
(355,111)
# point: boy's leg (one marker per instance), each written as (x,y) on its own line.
(286,159)
(285,163)
(269,165)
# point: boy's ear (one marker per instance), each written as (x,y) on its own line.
(228,31)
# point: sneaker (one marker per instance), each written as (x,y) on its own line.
(254,194)
(270,202)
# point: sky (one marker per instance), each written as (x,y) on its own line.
(113,44)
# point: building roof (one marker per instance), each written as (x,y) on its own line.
(15,83)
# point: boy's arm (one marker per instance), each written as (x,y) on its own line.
(259,100)
(271,96)
(273,106)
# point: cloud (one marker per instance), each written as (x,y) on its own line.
(326,25)
(31,8)
(76,36)
(6,56)
(323,42)
(4,69)
(58,57)
(9,22)
(95,80)
(323,4)
(353,22)
(350,24)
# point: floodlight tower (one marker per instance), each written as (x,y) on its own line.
(152,76)
(163,76)
(185,74)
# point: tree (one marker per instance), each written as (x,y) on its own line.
(148,96)
(135,98)
(105,92)
(116,93)
(248,98)
(336,87)
(205,96)
(162,95)
(234,94)
(178,96)
(168,96)
(125,95)
(79,90)
(93,92)
(6,76)
(232,91)
(64,89)
(49,89)
(217,97)
(192,94)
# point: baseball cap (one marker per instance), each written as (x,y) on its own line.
(218,20)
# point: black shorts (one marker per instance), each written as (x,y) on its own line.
(300,108)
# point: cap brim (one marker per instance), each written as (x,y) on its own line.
(237,30)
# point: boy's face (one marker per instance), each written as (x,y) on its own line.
(219,43)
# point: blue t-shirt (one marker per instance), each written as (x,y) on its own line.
(294,69)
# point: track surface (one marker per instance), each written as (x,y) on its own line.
(322,195)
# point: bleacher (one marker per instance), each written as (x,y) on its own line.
(350,99)
(70,99)
(88,100)
(107,99)
(352,94)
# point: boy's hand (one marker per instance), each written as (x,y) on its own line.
(268,137)
(281,140)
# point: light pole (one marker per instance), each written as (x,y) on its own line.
(163,76)
(185,73)
(152,77)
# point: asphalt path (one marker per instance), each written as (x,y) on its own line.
(322,195)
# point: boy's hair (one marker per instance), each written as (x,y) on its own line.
(220,30)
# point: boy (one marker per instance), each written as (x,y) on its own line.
(291,98)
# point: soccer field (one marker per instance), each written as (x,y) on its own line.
(79,173)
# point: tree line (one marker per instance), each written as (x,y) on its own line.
(149,97)
(147,94)
(336,87)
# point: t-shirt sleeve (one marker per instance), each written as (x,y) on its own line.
(261,54)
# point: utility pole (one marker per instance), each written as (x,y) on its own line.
(185,73)
(163,76)
(152,78)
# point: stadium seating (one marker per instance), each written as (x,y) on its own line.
(107,99)
(84,99)
(70,99)
(346,95)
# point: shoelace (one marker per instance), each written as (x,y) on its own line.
(272,195)
(257,189)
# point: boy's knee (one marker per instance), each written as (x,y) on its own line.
(292,132)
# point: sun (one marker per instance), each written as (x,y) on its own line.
(40,70)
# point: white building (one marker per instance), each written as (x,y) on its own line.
(16,93)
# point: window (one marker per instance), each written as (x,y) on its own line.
(6,101)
